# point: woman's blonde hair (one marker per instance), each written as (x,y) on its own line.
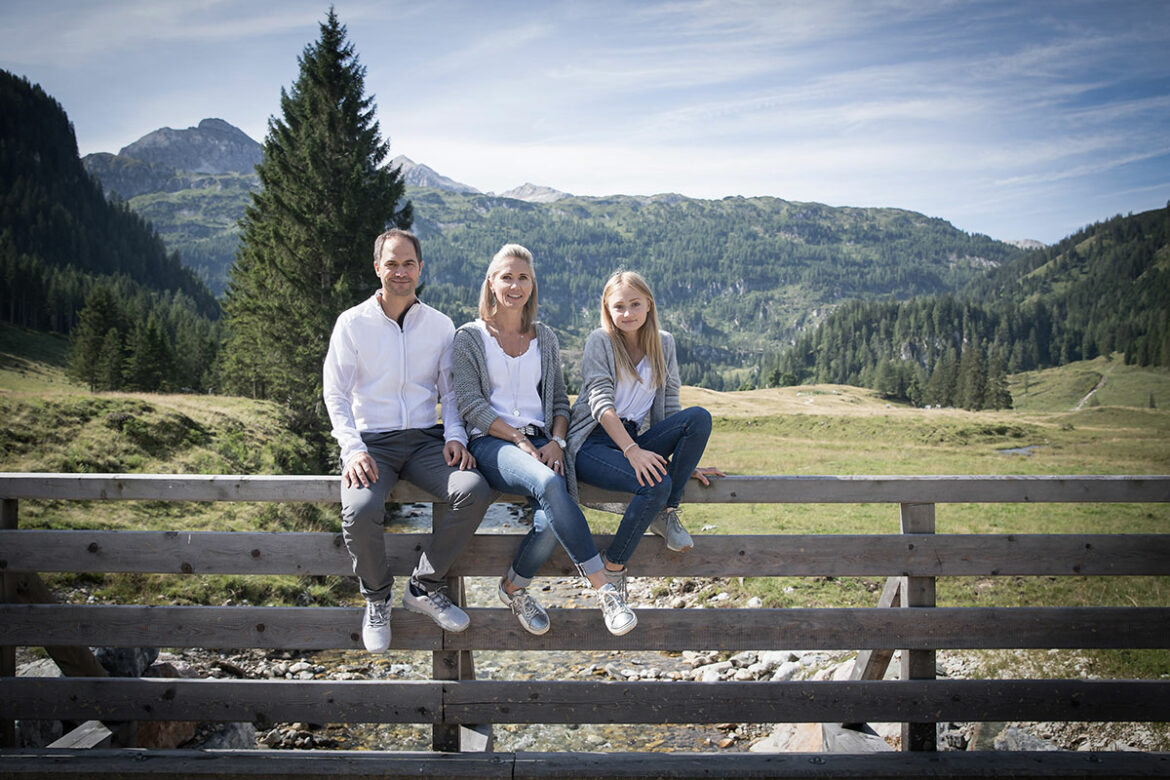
(487,299)
(648,337)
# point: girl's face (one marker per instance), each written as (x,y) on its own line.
(627,308)
(512,283)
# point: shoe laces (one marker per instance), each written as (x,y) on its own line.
(439,598)
(523,605)
(672,513)
(378,612)
(612,603)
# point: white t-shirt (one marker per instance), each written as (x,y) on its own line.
(514,382)
(632,400)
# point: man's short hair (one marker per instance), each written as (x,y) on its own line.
(391,233)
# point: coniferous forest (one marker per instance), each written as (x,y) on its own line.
(1102,290)
(73,263)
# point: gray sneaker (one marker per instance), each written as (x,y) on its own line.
(531,615)
(376,625)
(666,525)
(437,606)
(619,618)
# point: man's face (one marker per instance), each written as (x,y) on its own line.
(398,268)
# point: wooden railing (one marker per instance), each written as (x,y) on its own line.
(461,708)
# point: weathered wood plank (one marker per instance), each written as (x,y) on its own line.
(738,489)
(578,629)
(89,735)
(872,664)
(256,701)
(268,764)
(9,520)
(30,764)
(916,594)
(73,658)
(803,702)
(826,766)
(760,555)
(491,701)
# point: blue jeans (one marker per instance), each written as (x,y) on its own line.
(681,438)
(556,516)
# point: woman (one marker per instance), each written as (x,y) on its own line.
(511,395)
(628,431)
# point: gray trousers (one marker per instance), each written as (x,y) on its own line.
(415,455)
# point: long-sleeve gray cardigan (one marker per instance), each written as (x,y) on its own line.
(473,386)
(598,379)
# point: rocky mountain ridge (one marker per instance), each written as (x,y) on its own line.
(214,146)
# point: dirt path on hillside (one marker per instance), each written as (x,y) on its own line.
(1088,395)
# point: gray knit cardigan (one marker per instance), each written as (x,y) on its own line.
(473,387)
(598,379)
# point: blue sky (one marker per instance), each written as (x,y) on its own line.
(1016,119)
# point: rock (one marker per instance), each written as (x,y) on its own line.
(755,602)
(125,661)
(230,736)
(743,675)
(774,658)
(786,671)
(791,738)
(746,658)
(1014,738)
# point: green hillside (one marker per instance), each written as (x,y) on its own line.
(1102,291)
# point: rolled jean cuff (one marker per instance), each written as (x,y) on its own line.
(591,566)
(517,580)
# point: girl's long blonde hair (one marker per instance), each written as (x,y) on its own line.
(648,337)
(487,300)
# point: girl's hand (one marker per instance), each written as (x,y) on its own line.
(649,466)
(702,472)
(552,456)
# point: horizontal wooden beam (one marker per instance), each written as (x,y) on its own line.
(737,489)
(492,701)
(32,764)
(762,555)
(578,629)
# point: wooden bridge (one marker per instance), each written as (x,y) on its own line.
(461,709)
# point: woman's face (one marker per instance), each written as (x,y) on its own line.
(627,308)
(512,284)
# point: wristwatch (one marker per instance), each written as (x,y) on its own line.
(560,442)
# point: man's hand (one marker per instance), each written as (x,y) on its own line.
(458,455)
(360,469)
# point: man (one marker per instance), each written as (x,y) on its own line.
(389,361)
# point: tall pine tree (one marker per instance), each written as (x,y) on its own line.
(306,251)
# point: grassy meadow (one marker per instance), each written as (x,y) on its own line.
(1092,417)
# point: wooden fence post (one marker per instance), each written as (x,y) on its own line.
(918,592)
(9,518)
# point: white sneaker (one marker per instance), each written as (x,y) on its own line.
(437,606)
(619,618)
(531,615)
(376,625)
(667,525)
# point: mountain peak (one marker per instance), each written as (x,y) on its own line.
(419,175)
(535,193)
(215,146)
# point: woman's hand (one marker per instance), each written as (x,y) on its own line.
(702,472)
(649,466)
(552,456)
